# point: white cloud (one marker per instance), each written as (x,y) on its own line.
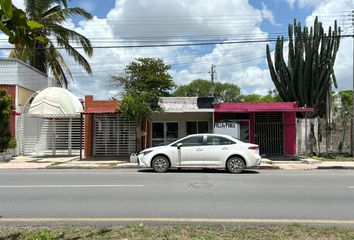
(268,15)
(182,18)
(19,4)
(174,21)
(306,3)
(343,65)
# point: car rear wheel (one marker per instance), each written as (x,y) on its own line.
(160,164)
(235,165)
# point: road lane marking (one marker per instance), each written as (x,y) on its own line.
(66,186)
(178,220)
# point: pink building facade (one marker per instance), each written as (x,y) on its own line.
(270,125)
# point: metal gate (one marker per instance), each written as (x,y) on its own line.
(269,133)
(50,135)
(113,135)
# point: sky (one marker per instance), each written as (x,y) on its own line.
(120,24)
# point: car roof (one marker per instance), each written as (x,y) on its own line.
(210,134)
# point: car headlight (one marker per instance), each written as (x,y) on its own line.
(145,152)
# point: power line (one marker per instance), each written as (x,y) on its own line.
(180,44)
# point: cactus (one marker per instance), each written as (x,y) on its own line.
(309,73)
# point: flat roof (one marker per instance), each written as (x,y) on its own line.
(181,105)
(261,107)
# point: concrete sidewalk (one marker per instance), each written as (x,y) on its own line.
(74,162)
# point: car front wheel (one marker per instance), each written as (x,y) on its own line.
(235,165)
(160,164)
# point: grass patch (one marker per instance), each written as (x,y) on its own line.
(205,232)
(334,158)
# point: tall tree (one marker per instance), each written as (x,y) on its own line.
(145,75)
(225,92)
(308,75)
(46,55)
(142,83)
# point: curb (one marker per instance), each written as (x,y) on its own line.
(126,166)
(336,167)
(269,167)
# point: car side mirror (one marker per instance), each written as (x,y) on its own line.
(179,145)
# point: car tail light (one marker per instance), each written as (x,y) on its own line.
(253,148)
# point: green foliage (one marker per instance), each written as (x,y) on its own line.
(146,75)
(144,81)
(347,101)
(41,235)
(136,105)
(309,73)
(272,96)
(20,31)
(225,92)
(12,143)
(5,111)
(51,14)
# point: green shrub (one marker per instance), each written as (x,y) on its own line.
(42,235)
(5,112)
(12,143)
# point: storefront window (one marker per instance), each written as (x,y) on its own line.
(197,127)
(164,133)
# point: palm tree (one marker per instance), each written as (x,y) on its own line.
(46,55)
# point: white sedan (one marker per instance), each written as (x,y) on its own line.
(202,151)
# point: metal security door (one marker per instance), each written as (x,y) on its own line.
(269,133)
(50,136)
(113,135)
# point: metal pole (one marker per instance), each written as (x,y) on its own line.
(352,128)
(69,136)
(212,72)
(80,136)
(54,138)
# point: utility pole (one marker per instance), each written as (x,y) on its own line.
(212,75)
(352,148)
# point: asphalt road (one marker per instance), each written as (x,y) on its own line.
(129,195)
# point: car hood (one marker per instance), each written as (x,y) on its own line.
(152,148)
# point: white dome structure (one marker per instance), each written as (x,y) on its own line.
(55,101)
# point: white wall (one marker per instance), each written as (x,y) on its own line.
(15,72)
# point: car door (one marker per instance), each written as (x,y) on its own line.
(216,151)
(190,152)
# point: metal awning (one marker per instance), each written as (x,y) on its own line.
(100,110)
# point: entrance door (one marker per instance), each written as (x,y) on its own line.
(269,133)
(113,135)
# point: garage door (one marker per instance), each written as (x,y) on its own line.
(113,135)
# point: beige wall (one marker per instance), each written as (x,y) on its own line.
(182,119)
(23,95)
